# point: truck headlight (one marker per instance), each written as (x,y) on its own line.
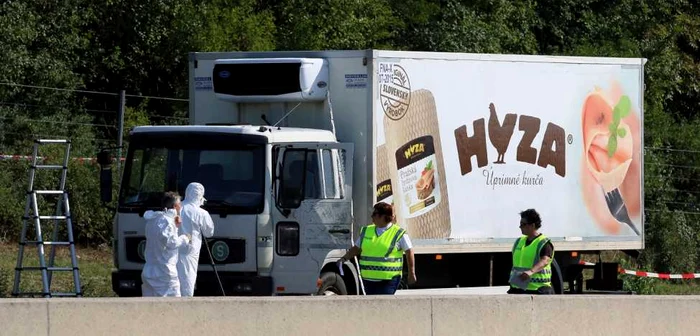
(287,238)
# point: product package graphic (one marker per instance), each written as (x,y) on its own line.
(417,171)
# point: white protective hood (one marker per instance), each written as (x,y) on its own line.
(150,214)
(194,194)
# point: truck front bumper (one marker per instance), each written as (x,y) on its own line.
(128,283)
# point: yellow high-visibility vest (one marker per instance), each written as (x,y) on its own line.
(525,257)
(381,258)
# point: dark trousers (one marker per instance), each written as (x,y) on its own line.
(541,290)
(382,287)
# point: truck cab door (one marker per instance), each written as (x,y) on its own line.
(313,216)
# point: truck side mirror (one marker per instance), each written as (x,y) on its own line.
(106,184)
(104,159)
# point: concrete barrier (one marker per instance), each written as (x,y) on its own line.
(309,316)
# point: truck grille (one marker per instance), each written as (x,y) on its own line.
(224,250)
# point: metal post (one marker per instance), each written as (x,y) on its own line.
(122,108)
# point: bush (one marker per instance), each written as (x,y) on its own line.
(92,221)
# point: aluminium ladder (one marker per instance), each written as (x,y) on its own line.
(31,213)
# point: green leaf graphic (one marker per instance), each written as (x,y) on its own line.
(621,110)
(624,106)
(616,115)
(612,146)
(621,132)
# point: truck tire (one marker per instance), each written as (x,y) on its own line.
(557,280)
(332,284)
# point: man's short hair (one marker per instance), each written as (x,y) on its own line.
(169,200)
(530,216)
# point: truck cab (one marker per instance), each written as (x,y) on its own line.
(279,205)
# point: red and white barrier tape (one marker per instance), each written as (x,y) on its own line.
(651,274)
(661,275)
(17,157)
(40,158)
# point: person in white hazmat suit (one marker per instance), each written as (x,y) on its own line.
(195,222)
(159,274)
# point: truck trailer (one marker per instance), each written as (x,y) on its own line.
(294,148)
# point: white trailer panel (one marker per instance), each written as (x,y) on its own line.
(472,140)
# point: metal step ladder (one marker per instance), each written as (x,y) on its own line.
(31,213)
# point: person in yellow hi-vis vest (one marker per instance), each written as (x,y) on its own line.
(380,248)
(533,253)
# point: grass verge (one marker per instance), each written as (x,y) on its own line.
(95,266)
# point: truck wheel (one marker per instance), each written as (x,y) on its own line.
(557,283)
(332,284)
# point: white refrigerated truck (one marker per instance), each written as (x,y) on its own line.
(294,148)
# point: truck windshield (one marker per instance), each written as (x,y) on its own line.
(233,175)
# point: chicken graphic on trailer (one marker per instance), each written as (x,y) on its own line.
(500,135)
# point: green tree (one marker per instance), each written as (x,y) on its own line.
(333,24)
(499,26)
(235,25)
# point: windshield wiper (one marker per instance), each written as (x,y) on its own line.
(222,203)
(134,203)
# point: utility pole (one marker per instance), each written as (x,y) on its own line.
(122,109)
